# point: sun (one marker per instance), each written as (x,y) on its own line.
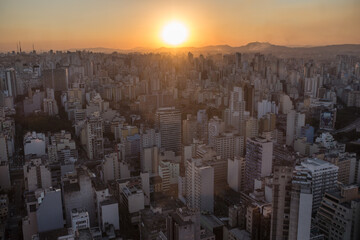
(174,33)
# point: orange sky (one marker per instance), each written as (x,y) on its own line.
(138,23)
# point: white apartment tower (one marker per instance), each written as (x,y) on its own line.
(259,154)
(199,185)
(294,122)
(323,176)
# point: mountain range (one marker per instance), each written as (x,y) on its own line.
(253,47)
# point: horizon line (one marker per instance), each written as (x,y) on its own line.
(135,49)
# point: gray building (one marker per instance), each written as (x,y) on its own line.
(168,122)
(49,213)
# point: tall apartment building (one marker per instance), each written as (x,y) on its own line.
(259,154)
(323,176)
(10,83)
(291,216)
(183,224)
(251,128)
(168,122)
(113,168)
(150,143)
(338,216)
(57,78)
(228,145)
(36,174)
(4,156)
(5,182)
(199,185)
(234,115)
(169,173)
(79,219)
(236,173)
(202,120)
(49,103)
(215,127)
(94,136)
(294,122)
(78,192)
(349,169)
(189,129)
(44,212)
(61,148)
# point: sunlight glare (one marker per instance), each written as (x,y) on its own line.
(174,33)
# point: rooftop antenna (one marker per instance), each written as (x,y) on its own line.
(20,46)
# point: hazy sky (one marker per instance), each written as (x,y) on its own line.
(65,24)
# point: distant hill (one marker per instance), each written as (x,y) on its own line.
(253,47)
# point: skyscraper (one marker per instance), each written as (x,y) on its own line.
(259,153)
(94,136)
(238,60)
(338,215)
(229,145)
(294,122)
(281,202)
(292,201)
(57,79)
(168,122)
(323,176)
(199,185)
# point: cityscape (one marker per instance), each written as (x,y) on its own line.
(179,120)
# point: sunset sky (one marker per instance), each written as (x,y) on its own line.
(126,24)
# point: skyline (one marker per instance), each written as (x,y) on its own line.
(128,25)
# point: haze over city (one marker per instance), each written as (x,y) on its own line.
(123,24)
(179,120)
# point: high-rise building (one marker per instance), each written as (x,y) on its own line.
(235,114)
(281,202)
(323,176)
(189,129)
(183,224)
(150,143)
(249,98)
(259,154)
(238,60)
(62,148)
(79,219)
(228,145)
(10,83)
(44,212)
(36,174)
(199,185)
(49,103)
(215,127)
(252,128)
(78,192)
(291,204)
(236,173)
(294,122)
(168,122)
(202,129)
(94,136)
(4,156)
(5,183)
(300,210)
(113,168)
(57,79)
(338,215)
